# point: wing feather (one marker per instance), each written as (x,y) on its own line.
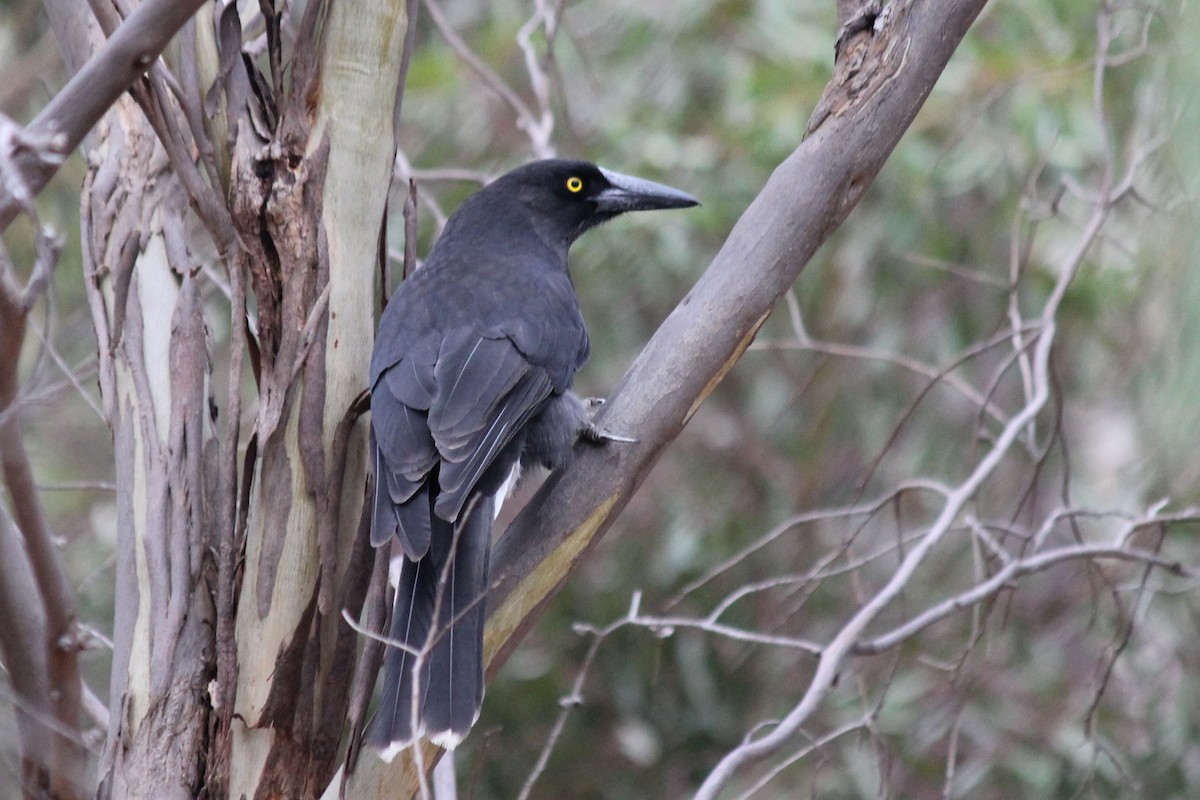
(491,391)
(450,422)
(460,478)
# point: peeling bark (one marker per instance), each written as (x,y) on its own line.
(311,222)
(154,377)
(236,554)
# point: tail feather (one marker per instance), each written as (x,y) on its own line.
(397,721)
(455,693)
(445,706)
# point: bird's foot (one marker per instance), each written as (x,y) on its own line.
(595,435)
(592,433)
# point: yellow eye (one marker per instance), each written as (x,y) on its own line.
(574,184)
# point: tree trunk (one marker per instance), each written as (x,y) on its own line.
(236,552)
(306,558)
(155,382)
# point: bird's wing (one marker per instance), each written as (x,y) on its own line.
(453,402)
(486,391)
(549,331)
(403,448)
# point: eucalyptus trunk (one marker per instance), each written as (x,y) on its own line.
(239,519)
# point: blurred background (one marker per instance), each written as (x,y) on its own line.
(1074,682)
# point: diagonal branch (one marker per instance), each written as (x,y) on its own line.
(807,197)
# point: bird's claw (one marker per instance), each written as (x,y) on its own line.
(594,435)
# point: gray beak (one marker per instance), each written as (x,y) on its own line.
(627,193)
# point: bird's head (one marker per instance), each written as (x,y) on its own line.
(565,198)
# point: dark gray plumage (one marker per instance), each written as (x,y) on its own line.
(470,378)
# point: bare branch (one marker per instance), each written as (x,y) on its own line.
(541,129)
(1016,569)
(575,698)
(71,114)
(23,652)
(935,374)
(824,515)
(73,28)
(63,758)
(804,752)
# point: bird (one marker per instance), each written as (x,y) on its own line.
(470,382)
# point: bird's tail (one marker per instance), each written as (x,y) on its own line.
(444,703)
